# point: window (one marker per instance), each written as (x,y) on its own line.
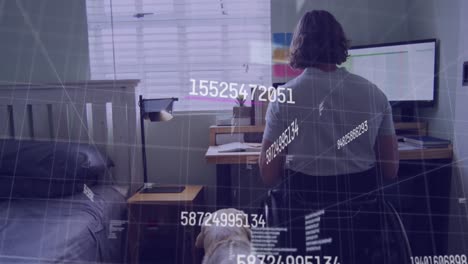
(165,43)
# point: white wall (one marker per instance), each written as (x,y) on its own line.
(447,21)
(460,134)
(43,41)
(461,105)
(439,19)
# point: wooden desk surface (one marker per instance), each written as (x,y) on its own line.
(252,129)
(426,153)
(419,128)
(188,195)
(213,156)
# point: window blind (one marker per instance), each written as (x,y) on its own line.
(165,43)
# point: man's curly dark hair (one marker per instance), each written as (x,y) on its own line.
(318,39)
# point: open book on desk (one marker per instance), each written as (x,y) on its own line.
(240,147)
(406,146)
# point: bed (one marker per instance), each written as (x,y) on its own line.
(84,224)
(69,229)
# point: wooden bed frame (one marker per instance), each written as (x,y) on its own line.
(100,113)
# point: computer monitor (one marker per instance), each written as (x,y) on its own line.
(404,71)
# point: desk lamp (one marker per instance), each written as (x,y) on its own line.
(155,110)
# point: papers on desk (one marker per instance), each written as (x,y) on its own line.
(406,146)
(427,141)
(240,147)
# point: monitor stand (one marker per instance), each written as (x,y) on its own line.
(407,114)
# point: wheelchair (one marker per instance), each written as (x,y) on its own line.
(388,243)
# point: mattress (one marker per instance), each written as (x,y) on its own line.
(74,229)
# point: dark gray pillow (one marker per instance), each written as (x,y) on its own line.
(49,169)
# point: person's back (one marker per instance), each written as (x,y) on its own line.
(328,106)
(344,141)
(344,121)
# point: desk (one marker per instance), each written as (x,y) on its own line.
(422,199)
(214,157)
(224,160)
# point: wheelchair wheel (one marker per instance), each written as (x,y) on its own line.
(390,246)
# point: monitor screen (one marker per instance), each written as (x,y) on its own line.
(404,72)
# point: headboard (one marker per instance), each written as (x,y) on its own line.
(101,113)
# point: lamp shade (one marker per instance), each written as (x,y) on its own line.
(159,116)
(157,110)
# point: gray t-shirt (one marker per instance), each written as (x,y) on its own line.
(339,117)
